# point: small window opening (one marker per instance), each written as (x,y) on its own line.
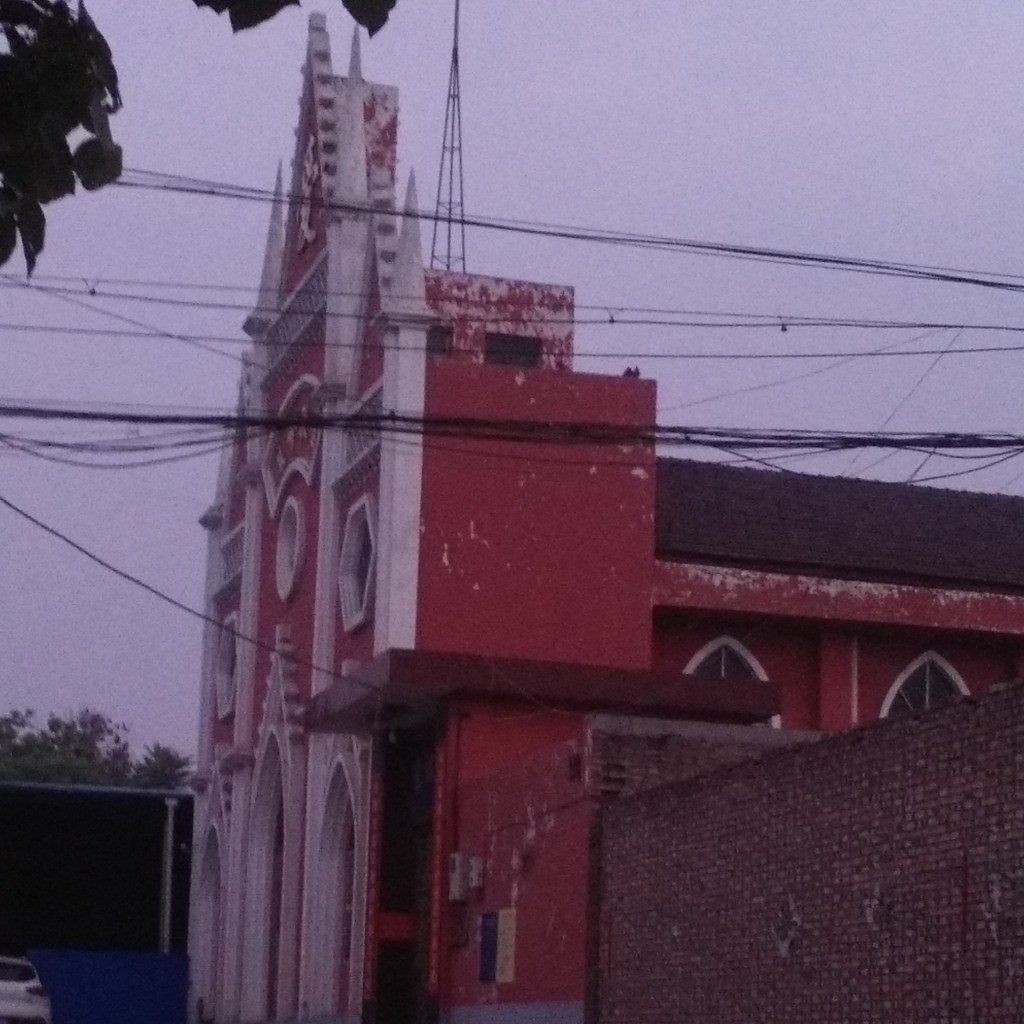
(512,350)
(363,559)
(439,341)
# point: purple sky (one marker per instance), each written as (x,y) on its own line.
(870,129)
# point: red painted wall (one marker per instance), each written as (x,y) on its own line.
(297,612)
(820,670)
(788,655)
(536,550)
(981,663)
(519,804)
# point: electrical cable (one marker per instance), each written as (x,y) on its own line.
(903,401)
(611,313)
(156,331)
(167,598)
(551,431)
(751,388)
(152,180)
(886,351)
(738,322)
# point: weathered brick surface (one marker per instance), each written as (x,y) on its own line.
(873,876)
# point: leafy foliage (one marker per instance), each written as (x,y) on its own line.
(162,767)
(57,78)
(371,14)
(85,748)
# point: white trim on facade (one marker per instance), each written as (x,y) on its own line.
(736,647)
(289,548)
(267,806)
(356,594)
(936,659)
(276,479)
(225,674)
(207,940)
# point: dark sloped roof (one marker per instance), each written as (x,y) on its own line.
(854,528)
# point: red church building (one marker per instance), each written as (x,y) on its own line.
(420,634)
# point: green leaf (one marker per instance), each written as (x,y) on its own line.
(97,164)
(32,228)
(8,237)
(371,14)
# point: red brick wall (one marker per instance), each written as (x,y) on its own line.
(873,876)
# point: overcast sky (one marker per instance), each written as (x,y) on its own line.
(877,129)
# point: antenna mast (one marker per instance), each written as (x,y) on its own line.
(448,248)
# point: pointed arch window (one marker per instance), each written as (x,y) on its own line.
(725,658)
(927,683)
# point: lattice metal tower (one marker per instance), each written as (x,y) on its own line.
(448,248)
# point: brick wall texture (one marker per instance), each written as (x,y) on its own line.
(876,876)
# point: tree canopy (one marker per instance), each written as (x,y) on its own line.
(371,14)
(58,81)
(85,748)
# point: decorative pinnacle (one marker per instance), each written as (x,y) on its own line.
(355,62)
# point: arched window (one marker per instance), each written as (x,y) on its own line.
(334,885)
(264,884)
(724,658)
(206,954)
(929,682)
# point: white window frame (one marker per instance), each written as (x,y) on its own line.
(736,647)
(225,685)
(287,575)
(356,608)
(938,660)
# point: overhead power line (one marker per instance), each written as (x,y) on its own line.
(609,312)
(151,180)
(884,352)
(151,331)
(165,597)
(551,432)
(612,317)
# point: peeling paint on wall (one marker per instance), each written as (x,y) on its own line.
(475,306)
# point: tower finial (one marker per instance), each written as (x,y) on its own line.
(409,290)
(448,247)
(355,61)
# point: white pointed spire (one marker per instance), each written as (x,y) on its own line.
(273,258)
(355,61)
(409,289)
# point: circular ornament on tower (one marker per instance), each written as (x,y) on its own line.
(290,539)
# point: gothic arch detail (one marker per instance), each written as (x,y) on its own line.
(725,658)
(264,882)
(335,888)
(929,681)
(210,928)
